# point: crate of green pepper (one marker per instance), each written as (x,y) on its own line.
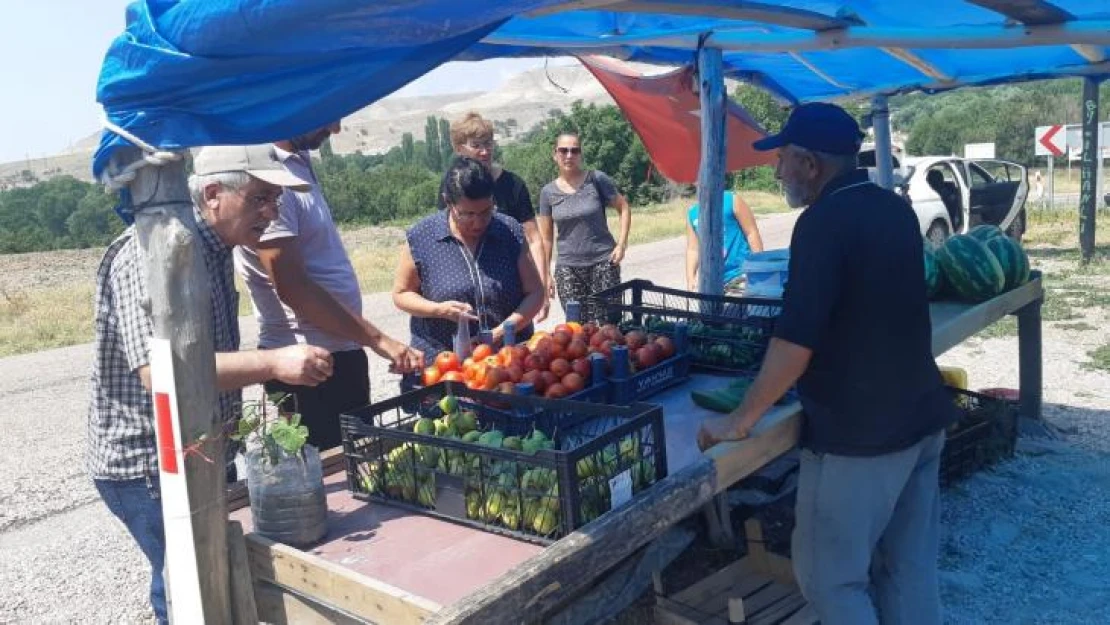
(532,468)
(724,333)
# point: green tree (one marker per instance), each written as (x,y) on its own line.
(433,157)
(445,148)
(408,149)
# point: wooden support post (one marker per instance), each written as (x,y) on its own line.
(244,608)
(1088,169)
(880,121)
(1030,360)
(711,176)
(183,372)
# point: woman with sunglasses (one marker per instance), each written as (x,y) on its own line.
(572,207)
(467,262)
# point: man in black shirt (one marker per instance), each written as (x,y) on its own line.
(472,136)
(855,335)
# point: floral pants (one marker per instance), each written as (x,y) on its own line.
(576,284)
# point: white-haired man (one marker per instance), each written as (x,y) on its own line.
(235,192)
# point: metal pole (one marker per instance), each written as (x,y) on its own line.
(183,380)
(1087,174)
(711,176)
(880,121)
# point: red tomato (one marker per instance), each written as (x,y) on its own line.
(560,367)
(581,366)
(431,376)
(481,352)
(448,361)
(555,391)
(573,383)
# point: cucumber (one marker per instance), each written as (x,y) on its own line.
(718,400)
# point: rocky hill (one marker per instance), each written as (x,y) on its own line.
(515,107)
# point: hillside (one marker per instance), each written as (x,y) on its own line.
(515,107)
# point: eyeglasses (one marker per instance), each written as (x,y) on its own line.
(480,145)
(258,201)
(565,151)
(472,216)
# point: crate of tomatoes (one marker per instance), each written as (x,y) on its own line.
(556,365)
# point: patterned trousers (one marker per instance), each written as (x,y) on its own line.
(577,283)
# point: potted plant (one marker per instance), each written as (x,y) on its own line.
(284,477)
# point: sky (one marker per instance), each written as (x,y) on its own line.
(53,50)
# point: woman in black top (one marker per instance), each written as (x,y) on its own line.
(472,137)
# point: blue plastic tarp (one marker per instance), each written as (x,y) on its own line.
(187,73)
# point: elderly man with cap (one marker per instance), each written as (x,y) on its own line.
(236,191)
(305,290)
(855,335)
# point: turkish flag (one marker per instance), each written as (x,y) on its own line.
(666,113)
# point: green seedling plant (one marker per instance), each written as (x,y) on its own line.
(280,437)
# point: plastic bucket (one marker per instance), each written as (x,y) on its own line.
(767,273)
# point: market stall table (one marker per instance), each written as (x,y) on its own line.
(391,566)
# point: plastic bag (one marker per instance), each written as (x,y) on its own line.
(287,498)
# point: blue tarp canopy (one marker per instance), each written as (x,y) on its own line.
(200,72)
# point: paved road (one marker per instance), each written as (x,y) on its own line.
(62,556)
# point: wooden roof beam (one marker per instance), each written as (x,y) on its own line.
(1040,13)
(918,63)
(759,12)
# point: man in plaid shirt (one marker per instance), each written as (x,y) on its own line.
(236,191)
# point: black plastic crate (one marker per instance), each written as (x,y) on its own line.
(726,333)
(599,456)
(985,434)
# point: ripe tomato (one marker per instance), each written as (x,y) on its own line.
(560,367)
(481,352)
(573,383)
(535,378)
(431,376)
(581,366)
(448,361)
(666,346)
(635,339)
(555,391)
(646,357)
(452,376)
(562,337)
(577,349)
(516,372)
(575,328)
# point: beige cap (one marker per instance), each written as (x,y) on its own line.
(259,161)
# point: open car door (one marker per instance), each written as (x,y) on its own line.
(998,192)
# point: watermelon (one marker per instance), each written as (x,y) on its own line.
(970,269)
(985,232)
(932,273)
(1012,259)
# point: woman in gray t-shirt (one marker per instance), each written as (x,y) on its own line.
(572,207)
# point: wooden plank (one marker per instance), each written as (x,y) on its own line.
(283,607)
(1090,166)
(773,435)
(564,569)
(335,586)
(954,322)
(244,610)
(779,612)
(806,616)
(670,612)
(760,600)
(739,575)
(626,583)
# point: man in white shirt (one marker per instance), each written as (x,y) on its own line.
(304,290)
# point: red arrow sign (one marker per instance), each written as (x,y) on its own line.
(1050,145)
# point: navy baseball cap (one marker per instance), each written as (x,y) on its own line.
(817,126)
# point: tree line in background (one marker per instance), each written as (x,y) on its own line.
(401,184)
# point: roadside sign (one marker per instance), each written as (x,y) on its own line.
(1050,141)
(979,150)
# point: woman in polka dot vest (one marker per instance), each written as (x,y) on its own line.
(467,262)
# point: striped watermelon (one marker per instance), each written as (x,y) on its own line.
(932,273)
(1014,262)
(970,269)
(985,232)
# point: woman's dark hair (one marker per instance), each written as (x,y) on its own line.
(467,178)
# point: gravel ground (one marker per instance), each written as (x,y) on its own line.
(1029,536)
